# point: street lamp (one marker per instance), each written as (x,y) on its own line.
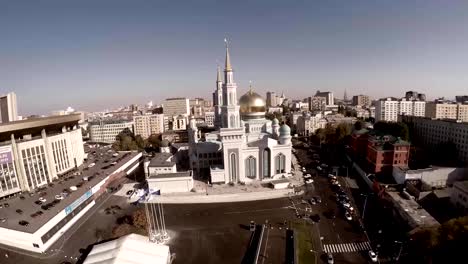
(401,249)
(365,205)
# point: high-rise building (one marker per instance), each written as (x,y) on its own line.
(388,109)
(316,103)
(463,99)
(176,106)
(415,96)
(147,125)
(8,108)
(361,100)
(271,99)
(330,100)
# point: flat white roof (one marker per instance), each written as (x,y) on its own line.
(129,249)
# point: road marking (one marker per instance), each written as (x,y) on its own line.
(347,247)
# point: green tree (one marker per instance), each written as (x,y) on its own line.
(358,125)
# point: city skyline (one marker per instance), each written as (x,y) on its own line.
(94,56)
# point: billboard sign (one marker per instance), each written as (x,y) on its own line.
(6,157)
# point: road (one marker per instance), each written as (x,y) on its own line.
(343,238)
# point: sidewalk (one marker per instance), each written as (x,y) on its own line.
(185,198)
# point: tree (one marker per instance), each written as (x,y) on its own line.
(358,125)
(139,219)
(122,230)
(398,129)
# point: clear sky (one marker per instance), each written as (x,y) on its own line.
(99,54)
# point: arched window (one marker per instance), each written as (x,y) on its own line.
(266,162)
(280,163)
(251,167)
(233,167)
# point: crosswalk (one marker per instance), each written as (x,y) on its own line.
(346,247)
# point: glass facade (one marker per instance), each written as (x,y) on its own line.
(8,177)
(60,152)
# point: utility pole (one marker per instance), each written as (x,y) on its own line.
(399,252)
(365,204)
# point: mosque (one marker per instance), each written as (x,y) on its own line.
(246,146)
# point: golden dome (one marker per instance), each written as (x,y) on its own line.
(252,102)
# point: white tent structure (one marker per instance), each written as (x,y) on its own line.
(129,249)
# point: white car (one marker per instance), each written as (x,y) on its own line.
(58,197)
(372,256)
(307,176)
(91,165)
(308,181)
(73,188)
(330,258)
(318,168)
(42,199)
(115,154)
(345,204)
(348,216)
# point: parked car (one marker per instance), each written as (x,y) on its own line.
(312,201)
(309,181)
(23,223)
(38,202)
(58,197)
(3,219)
(372,256)
(19,211)
(330,258)
(317,199)
(73,188)
(348,216)
(91,165)
(42,199)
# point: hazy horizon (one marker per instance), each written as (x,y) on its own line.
(95,55)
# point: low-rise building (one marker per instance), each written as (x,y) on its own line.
(383,153)
(438,177)
(307,124)
(107,131)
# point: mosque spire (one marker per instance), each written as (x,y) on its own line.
(227,66)
(218,77)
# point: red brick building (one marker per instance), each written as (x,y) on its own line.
(385,152)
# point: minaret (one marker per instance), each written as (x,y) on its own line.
(218,98)
(230,108)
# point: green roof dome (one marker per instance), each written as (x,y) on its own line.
(285,130)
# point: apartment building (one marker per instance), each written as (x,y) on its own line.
(147,125)
(329,98)
(316,103)
(307,124)
(361,100)
(388,109)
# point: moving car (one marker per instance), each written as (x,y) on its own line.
(330,258)
(42,199)
(317,199)
(372,256)
(58,197)
(252,226)
(73,188)
(312,201)
(308,181)
(91,165)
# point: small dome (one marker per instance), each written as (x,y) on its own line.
(275,121)
(285,130)
(164,143)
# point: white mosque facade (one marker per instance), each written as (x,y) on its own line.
(246,146)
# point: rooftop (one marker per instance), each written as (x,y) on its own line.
(463,185)
(27,205)
(172,175)
(411,211)
(161,160)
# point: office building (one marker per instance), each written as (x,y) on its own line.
(107,131)
(147,125)
(176,106)
(431,133)
(361,100)
(8,108)
(316,103)
(329,99)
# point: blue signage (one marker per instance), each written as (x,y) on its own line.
(77,202)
